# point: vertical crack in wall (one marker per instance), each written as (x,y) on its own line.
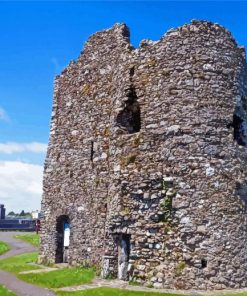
(92,150)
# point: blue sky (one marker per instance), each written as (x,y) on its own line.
(38,39)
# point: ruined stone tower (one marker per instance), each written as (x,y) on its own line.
(146,163)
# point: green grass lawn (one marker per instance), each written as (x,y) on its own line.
(113,292)
(60,278)
(4,248)
(5,292)
(67,277)
(31,238)
(52,279)
(19,263)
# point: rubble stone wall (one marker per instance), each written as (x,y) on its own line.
(150,143)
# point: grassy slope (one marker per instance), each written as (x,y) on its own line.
(19,263)
(31,238)
(59,278)
(4,248)
(5,292)
(112,292)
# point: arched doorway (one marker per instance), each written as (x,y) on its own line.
(62,238)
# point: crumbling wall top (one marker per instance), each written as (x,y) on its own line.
(118,37)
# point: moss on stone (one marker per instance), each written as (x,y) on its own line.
(179,268)
(126,160)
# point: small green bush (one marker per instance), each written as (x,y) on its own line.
(167,210)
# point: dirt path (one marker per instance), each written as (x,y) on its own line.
(9,280)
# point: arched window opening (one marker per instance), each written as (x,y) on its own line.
(130,117)
(62,238)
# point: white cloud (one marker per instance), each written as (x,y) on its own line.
(12,147)
(20,185)
(56,64)
(3,115)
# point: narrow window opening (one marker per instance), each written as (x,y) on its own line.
(132,71)
(105,209)
(244,102)
(130,117)
(92,151)
(204,263)
(238,131)
(239,122)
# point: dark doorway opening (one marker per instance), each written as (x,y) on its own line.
(62,238)
(130,117)
(123,256)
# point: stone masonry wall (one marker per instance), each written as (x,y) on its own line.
(150,143)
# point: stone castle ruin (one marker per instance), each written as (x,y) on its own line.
(145,175)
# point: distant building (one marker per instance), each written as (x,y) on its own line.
(35,214)
(2,211)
